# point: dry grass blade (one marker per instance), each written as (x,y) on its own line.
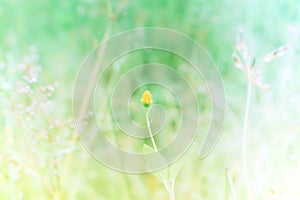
(276,53)
(237,61)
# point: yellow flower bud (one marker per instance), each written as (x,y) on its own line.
(146,98)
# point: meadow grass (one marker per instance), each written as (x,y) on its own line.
(43,44)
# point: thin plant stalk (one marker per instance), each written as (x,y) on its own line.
(245,61)
(244,151)
(150,132)
(169,186)
(231,186)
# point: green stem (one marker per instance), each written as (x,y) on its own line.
(230,182)
(169,186)
(245,139)
(150,132)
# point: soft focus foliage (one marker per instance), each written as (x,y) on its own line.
(42,45)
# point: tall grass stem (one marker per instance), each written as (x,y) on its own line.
(169,186)
(244,151)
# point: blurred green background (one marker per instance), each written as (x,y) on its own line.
(42,45)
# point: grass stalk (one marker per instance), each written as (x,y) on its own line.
(244,146)
(231,186)
(169,186)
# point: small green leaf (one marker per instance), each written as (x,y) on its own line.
(147,149)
